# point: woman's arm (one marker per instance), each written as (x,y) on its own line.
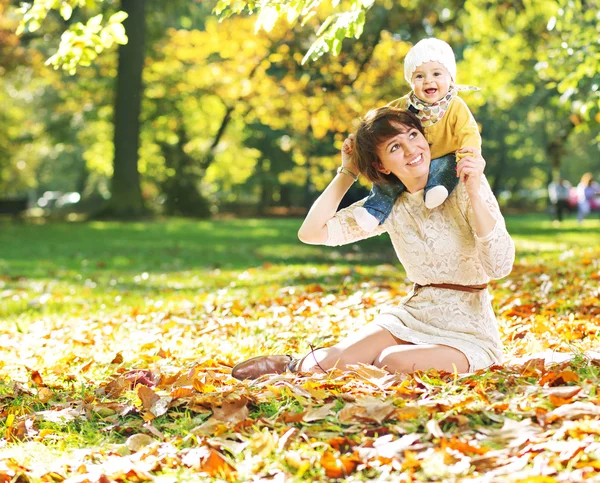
(314,228)
(495,248)
(470,170)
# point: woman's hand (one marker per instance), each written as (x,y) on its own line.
(470,169)
(348,160)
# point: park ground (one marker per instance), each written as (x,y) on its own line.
(116,343)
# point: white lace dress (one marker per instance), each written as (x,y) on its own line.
(440,246)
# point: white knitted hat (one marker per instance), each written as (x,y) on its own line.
(429,50)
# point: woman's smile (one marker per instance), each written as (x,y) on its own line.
(416,161)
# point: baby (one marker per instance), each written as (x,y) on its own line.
(430,69)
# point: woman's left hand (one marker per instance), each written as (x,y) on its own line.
(470,169)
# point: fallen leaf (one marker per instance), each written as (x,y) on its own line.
(389,447)
(338,467)
(574,410)
(318,413)
(208,461)
(232,412)
(44,395)
(141,376)
(138,441)
(37,378)
(147,396)
(118,359)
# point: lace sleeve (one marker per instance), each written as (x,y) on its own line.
(342,229)
(496,250)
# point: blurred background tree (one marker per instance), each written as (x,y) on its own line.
(233,119)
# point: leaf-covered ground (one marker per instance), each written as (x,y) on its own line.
(117,341)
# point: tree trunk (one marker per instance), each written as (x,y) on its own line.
(126,200)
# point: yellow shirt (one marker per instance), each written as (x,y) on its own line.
(457,129)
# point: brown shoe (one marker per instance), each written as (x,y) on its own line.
(257,366)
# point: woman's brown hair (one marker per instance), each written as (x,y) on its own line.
(376,127)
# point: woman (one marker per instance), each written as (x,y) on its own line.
(586,192)
(450,252)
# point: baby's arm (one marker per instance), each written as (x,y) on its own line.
(465,128)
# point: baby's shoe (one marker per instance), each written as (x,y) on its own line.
(435,196)
(365,219)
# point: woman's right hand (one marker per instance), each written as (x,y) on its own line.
(348,160)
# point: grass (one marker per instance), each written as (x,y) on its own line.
(83,303)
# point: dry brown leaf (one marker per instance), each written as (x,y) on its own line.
(118,359)
(349,413)
(138,441)
(290,417)
(147,396)
(116,387)
(232,412)
(533,367)
(318,413)
(44,395)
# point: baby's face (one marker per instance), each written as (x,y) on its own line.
(431,81)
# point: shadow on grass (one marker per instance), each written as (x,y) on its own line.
(67,250)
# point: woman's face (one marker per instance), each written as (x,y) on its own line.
(406,155)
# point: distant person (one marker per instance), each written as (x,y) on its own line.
(558,193)
(587,190)
(430,69)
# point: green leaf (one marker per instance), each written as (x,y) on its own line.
(66,11)
(118,33)
(118,17)
(267,18)
(95,21)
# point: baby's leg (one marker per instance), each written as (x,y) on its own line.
(378,205)
(442,180)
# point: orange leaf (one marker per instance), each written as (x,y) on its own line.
(338,467)
(37,378)
(118,359)
(216,464)
(464,447)
(182,392)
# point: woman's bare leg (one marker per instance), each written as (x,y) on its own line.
(411,358)
(363,346)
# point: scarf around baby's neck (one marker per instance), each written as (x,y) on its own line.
(429,114)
